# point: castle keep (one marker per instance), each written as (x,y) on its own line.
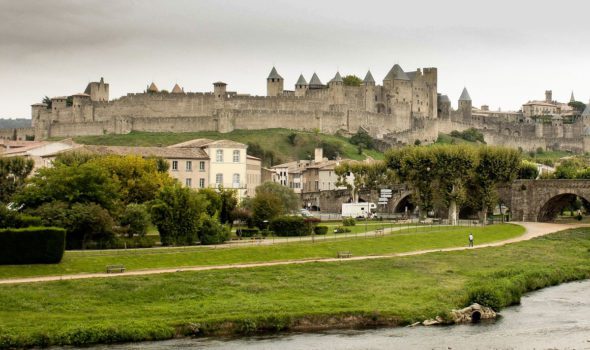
(405,108)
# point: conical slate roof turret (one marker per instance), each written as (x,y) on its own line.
(369,78)
(301,80)
(572,99)
(274,74)
(396,73)
(465,95)
(177,89)
(315,80)
(586,112)
(337,78)
(153,87)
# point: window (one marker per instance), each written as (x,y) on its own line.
(201,166)
(175,165)
(236,156)
(317,185)
(219,179)
(236,180)
(188,182)
(189,165)
(202,183)
(219,155)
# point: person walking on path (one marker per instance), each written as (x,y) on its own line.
(471,239)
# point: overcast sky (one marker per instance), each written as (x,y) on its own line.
(504,52)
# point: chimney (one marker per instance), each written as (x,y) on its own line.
(319,155)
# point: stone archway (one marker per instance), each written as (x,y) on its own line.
(551,208)
(404,201)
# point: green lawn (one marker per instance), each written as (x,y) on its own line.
(269,139)
(392,291)
(399,241)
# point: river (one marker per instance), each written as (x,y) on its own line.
(553,318)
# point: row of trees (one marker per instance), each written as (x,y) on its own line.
(101,199)
(98,199)
(440,176)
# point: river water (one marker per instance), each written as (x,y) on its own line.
(553,318)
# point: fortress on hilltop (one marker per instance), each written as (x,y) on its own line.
(404,109)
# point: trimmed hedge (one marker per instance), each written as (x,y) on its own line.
(320,230)
(289,226)
(32,245)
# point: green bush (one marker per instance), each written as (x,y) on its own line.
(289,226)
(320,230)
(32,245)
(348,221)
(341,229)
(136,220)
(212,231)
(486,296)
(14,219)
(247,232)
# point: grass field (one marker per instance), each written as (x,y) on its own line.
(392,291)
(399,241)
(269,139)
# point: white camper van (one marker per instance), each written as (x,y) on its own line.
(358,210)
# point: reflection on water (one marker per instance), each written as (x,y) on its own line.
(553,318)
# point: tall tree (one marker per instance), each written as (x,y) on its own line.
(452,169)
(87,183)
(286,196)
(177,212)
(13,172)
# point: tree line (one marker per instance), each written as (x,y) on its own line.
(441,177)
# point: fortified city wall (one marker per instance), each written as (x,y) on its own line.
(404,109)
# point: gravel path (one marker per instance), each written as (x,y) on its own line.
(533,229)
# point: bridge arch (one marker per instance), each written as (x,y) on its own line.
(542,200)
(549,210)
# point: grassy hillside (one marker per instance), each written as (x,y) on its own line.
(275,140)
(445,139)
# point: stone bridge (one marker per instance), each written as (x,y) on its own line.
(541,200)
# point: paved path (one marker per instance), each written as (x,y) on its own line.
(532,230)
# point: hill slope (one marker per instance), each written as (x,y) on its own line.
(277,145)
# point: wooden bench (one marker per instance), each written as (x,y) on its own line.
(344,254)
(115,268)
(379,232)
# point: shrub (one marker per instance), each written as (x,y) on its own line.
(289,226)
(348,221)
(136,219)
(247,232)
(341,229)
(32,245)
(14,219)
(320,230)
(212,231)
(486,296)
(89,223)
